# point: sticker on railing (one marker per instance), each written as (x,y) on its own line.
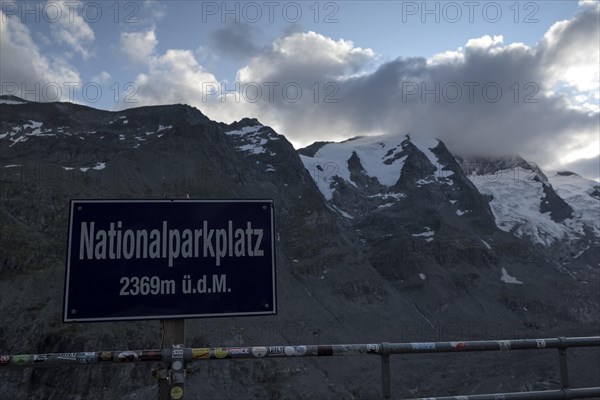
(86,358)
(176,393)
(259,351)
(372,348)
(67,356)
(422,346)
(220,353)
(293,351)
(128,356)
(40,358)
(20,359)
(504,344)
(325,351)
(202,353)
(149,355)
(238,351)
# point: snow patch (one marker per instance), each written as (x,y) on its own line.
(343,213)
(577,192)
(387,196)
(245,130)
(17,140)
(509,279)
(422,182)
(516,207)
(252,142)
(428,232)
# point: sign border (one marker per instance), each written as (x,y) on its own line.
(72,204)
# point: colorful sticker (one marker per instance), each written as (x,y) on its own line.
(238,351)
(40,358)
(86,358)
(4,360)
(423,346)
(150,355)
(106,356)
(176,393)
(459,345)
(18,360)
(325,351)
(259,351)
(128,356)
(201,353)
(220,352)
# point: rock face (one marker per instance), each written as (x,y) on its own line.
(378,239)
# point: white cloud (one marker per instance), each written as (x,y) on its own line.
(102,78)
(303,53)
(157,9)
(174,77)
(24,66)
(138,47)
(74,32)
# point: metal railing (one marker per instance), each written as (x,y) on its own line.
(180,358)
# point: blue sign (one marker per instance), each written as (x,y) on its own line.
(161,259)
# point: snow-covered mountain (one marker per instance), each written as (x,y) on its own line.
(523,201)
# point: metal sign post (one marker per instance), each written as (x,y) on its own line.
(172,334)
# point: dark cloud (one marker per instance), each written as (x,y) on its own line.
(235,39)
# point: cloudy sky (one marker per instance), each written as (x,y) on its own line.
(485,77)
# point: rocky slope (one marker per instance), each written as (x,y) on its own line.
(384,240)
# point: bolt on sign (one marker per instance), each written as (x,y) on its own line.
(161,259)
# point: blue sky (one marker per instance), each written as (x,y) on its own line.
(374,60)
